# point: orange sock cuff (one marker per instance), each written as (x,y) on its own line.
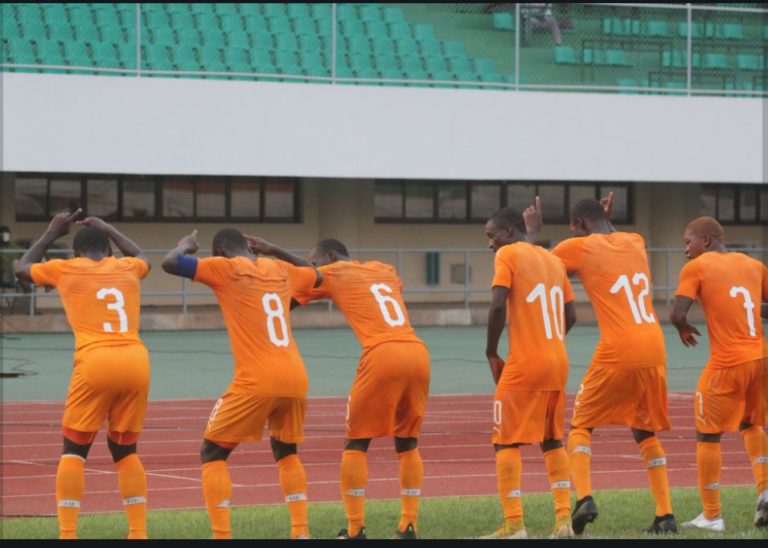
(133,488)
(709,465)
(756,443)
(354,476)
(217,490)
(293,483)
(656,465)
(652,452)
(411,482)
(579,459)
(556,463)
(70,485)
(509,474)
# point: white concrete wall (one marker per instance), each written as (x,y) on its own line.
(65,123)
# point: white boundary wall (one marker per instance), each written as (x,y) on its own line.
(98,124)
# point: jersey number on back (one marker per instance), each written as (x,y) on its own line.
(637,305)
(556,297)
(749,305)
(118,305)
(273,306)
(385,302)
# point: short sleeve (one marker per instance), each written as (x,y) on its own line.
(213,271)
(568,295)
(303,279)
(503,267)
(690,282)
(570,252)
(137,265)
(47,273)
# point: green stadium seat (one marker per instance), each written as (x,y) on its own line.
(311,42)
(213,37)
(240,39)
(77,54)
(443,76)
(286,58)
(273,10)
(484,66)
(717,61)
(697,30)
(627,83)
(406,46)
(416,74)
(392,74)
(298,11)
(52,14)
(185,20)
(320,11)
(149,20)
(261,61)
(62,32)
(393,15)
(453,49)
(286,42)
(107,18)
(34,29)
(423,32)
(255,24)
(314,64)
(400,31)
(746,61)
(411,63)
(376,28)
(733,31)
(657,28)
(435,65)
(359,61)
(383,43)
(155,57)
(192,36)
(616,57)
(185,58)
(592,56)
(370,13)
(503,21)
(351,28)
(431,49)
(212,60)
(357,44)
(237,59)
(279,25)
(459,65)
(230,23)
(49,53)
(607,25)
(386,61)
(765,32)
(104,54)
(564,55)
(368,73)
(303,27)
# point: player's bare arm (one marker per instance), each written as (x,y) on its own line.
(679,318)
(59,226)
(127,247)
(570,315)
(176,261)
(534,220)
(497,318)
(263,247)
(764,311)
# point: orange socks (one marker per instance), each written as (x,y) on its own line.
(293,483)
(579,457)
(70,484)
(708,464)
(354,476)
(656,464)
(556,462)
(133,489)
(411,480)
(756,442)
(509,473)
(217,490)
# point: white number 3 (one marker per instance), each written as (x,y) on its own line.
(117,305)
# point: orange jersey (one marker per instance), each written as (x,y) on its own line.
(101,298)
(614,271)
(538,290)
(370,297)
(255,298)
(730,287)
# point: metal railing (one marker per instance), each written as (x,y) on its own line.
(473,270)
(641,58)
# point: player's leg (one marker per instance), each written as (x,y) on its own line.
(131,479)
(556,463)
(70,480)
(217,486)
(509,475)
(411,482)
(656,466)
(286,424)
(354,477)
(755,438)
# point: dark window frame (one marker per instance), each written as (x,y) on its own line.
(760,216)
(159,180)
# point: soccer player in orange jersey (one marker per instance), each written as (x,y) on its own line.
(270,383)
(389,393)
(110,375)
(626,381)
(733,387)
(531,287)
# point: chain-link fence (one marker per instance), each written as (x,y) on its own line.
(627,48)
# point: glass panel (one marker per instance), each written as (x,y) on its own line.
(138,199)
(620,211)
(553,202)
(708,201)
(576,193)
(452,201)
(245,199)
(764,204)
(211,199)
(31,197)
(388,200)
(102,198)
(419,200)
(485,199)
(726,204)
(520,196)
(65,195)
(278,199)
(748,204)
(178,198)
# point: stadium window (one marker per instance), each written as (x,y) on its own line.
(485,200)
(553,203)
(726,204)
(138,199)
(748,205)
(245,200)
(735,204)
(279,199)
(64,195)
(388,200)
(419,201)
(178,197)
(520,195)
(764,205)
(621,212)
(708,201)
(101,198)
(576,193)
(211,199)
(31,198)
(452,201)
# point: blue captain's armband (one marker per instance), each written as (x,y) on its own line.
(187,266)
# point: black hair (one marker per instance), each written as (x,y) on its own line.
(332,244)
(590,210)
(4,229)
(91,240)
(507,216)
(230,240)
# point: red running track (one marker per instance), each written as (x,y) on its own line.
(455,446)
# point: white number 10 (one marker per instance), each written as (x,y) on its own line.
(556,297)
(117,305)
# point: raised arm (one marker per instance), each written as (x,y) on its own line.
(263,247)
(497,318)
(176,261)
(679,318)
(58,227)
(126,246)
(534,220)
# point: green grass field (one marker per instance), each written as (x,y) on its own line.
(623,513)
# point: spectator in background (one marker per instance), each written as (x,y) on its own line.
(539,16)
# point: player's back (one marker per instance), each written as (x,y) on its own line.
(731,289)
(370,296)
(254,297)
(101,298)
(614,271)
(537,358)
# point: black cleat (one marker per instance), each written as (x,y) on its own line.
(761,516)
(344,535)
(662,525)
(408,534)
(585,512)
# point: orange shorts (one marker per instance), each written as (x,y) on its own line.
(108,383)
(389,394)
(633,397)
(238,417)
(527,416)
(725,397)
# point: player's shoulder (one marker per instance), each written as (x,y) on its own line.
(570,244)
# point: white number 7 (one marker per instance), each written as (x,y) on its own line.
(749,304)
(117,305)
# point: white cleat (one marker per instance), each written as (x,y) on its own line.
(716,525)
(761,516)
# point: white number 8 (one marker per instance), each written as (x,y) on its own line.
(117,305)
(273,306)
(383,300)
